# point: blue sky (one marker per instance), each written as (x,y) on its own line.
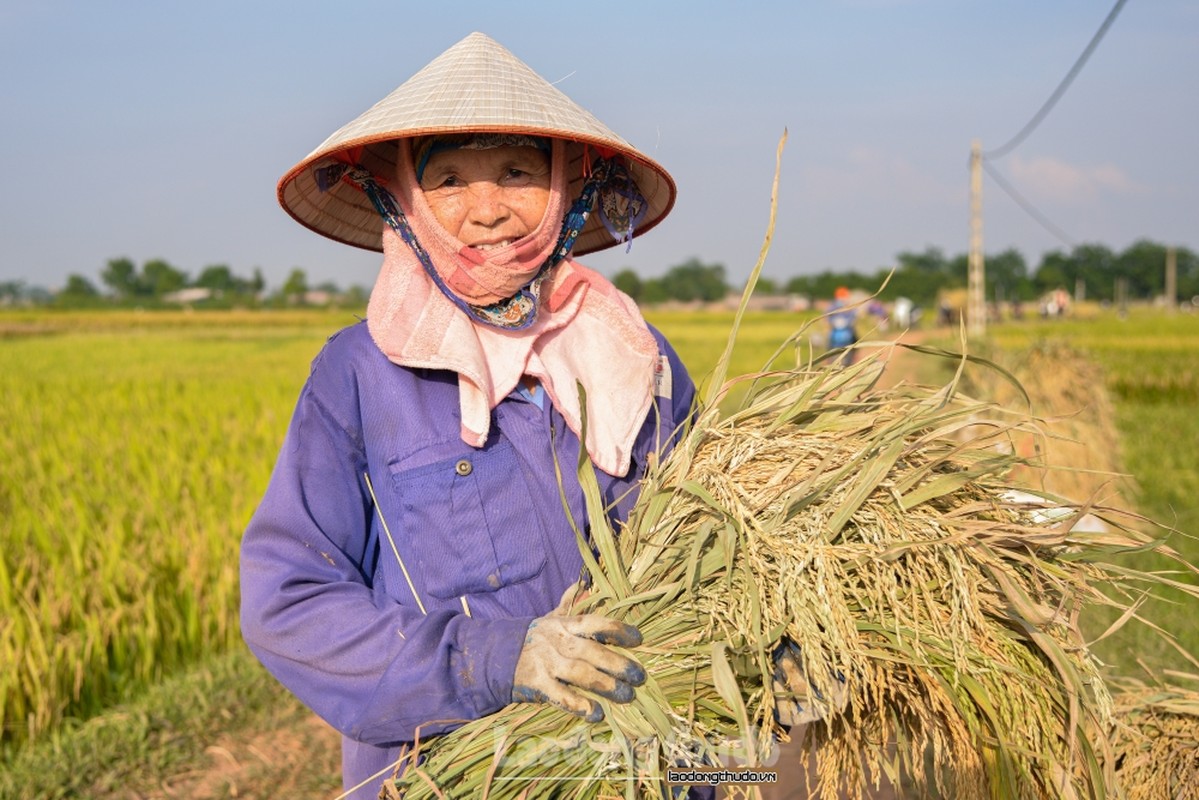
(159,130)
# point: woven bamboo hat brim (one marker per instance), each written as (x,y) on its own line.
(475,86)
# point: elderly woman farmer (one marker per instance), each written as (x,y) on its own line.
(401,574)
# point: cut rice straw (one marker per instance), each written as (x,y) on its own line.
(1155,737)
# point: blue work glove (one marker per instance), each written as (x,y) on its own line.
(563,654)
(797,701)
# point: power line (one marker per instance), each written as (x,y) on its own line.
(1027,206)
(1036,120)
(1061,89)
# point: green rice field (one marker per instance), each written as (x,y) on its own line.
(136,445)
(134,450)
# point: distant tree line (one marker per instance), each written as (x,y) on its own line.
(158,283)
(1093,268)
(687,282)
(1100,273)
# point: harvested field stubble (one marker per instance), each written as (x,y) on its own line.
(1079,455)
(1155,738)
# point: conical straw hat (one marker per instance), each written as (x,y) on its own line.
(476,85)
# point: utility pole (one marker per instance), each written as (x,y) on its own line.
(1171,279)
(976,298)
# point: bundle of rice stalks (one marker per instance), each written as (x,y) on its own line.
(1155,740)
(1079,457)
(855,523)
(933,613)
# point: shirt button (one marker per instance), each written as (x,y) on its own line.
(463,467)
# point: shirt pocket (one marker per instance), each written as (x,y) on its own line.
(468,520)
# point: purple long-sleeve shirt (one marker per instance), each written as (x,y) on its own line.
(326,603)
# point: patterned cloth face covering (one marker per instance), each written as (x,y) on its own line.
(622,208)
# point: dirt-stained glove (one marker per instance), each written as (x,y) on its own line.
(564,653)
(797,701)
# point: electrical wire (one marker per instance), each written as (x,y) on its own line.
(1027,206)
(999,152)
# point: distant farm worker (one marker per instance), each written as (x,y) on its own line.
(842,322)
(402,572)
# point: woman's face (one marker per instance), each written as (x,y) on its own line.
(488,198)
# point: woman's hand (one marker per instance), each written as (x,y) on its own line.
(562,654)
(797,702)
